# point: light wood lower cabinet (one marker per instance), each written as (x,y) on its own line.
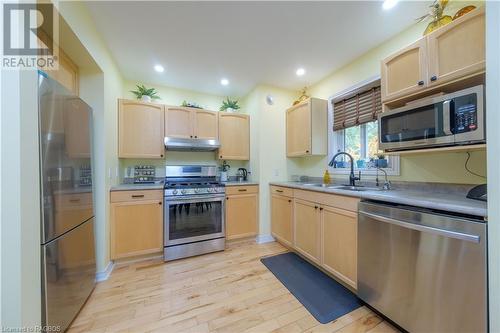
(307,228)
(282,218)
(323,228)
(136,223)
(242,211)
(340,243)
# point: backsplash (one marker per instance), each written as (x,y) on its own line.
(175,158)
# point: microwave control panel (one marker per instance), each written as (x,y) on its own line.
(465,114)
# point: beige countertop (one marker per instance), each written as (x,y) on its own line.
(454,202)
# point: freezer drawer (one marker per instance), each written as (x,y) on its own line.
(68,274)
(425,271)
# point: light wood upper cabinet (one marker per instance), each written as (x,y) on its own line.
(404,72)
(178,123)
(206,125)
(136,224)
(234,136)
(307,227)
(189,123)
(339,243)
(446,55)
(282,218)
(307,128)
(140,129)
(242,210)
(457,49)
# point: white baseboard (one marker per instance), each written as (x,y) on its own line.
(104,275)
(261,239)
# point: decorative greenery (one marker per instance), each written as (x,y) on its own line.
(190,105)
(229,104)
(143,91)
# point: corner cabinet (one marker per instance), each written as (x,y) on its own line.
(189,123)
(451,53)
(242,211)
(140,129)
(307,128)
(404,72)
(234,136)
(136,223)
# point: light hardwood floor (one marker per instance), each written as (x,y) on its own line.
(230,291)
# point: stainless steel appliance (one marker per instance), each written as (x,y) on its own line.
(67,216)
(425,270)
(191,144)
(451,119)
(242,175)
(194,207)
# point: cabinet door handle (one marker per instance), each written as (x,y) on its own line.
(307,151)
(220,156)
(159,203)
(320,208)
(421,83)
(227,198)
(434,78)
(289,200)
(161,155)
(137,195)
(191,136)
(196,136)
(315,207)
(242,190)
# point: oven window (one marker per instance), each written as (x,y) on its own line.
(194,219)
(422,123)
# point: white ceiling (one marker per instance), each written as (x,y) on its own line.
(249,43)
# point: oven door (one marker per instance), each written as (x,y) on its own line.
(193,219)
(421,124)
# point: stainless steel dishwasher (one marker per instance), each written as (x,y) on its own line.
(425,270)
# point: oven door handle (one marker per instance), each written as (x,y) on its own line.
(194,199)
(447,117)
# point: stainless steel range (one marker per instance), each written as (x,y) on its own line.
(194,203)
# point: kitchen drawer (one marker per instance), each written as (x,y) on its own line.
(120,196)
(282,191)
(72,200)
(241,189)
(332,200)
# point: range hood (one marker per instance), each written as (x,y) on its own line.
(191,144)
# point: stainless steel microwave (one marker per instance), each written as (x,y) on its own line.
(451,119)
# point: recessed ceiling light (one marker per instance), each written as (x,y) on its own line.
(300,71)
(388,4)
(224,82)
(159,68)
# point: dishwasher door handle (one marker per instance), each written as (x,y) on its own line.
(418,227)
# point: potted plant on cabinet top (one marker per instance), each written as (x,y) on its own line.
(229,105)
(145,94)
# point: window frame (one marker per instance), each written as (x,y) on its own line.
(335,138)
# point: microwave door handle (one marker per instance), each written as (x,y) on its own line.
(447,117)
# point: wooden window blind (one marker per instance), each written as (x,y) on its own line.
(358,109)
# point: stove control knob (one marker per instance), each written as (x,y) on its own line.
(174,192)
(183,191)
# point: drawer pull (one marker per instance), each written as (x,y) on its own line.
(242,190)
(279,191)
(137,195)
(74,200)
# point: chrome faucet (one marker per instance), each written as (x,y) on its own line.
(387,183)
(352,178)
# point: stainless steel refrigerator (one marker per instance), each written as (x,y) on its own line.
(67,210)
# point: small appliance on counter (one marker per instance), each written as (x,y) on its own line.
(479,192)
(144,174)
(242,175)
(223,172)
